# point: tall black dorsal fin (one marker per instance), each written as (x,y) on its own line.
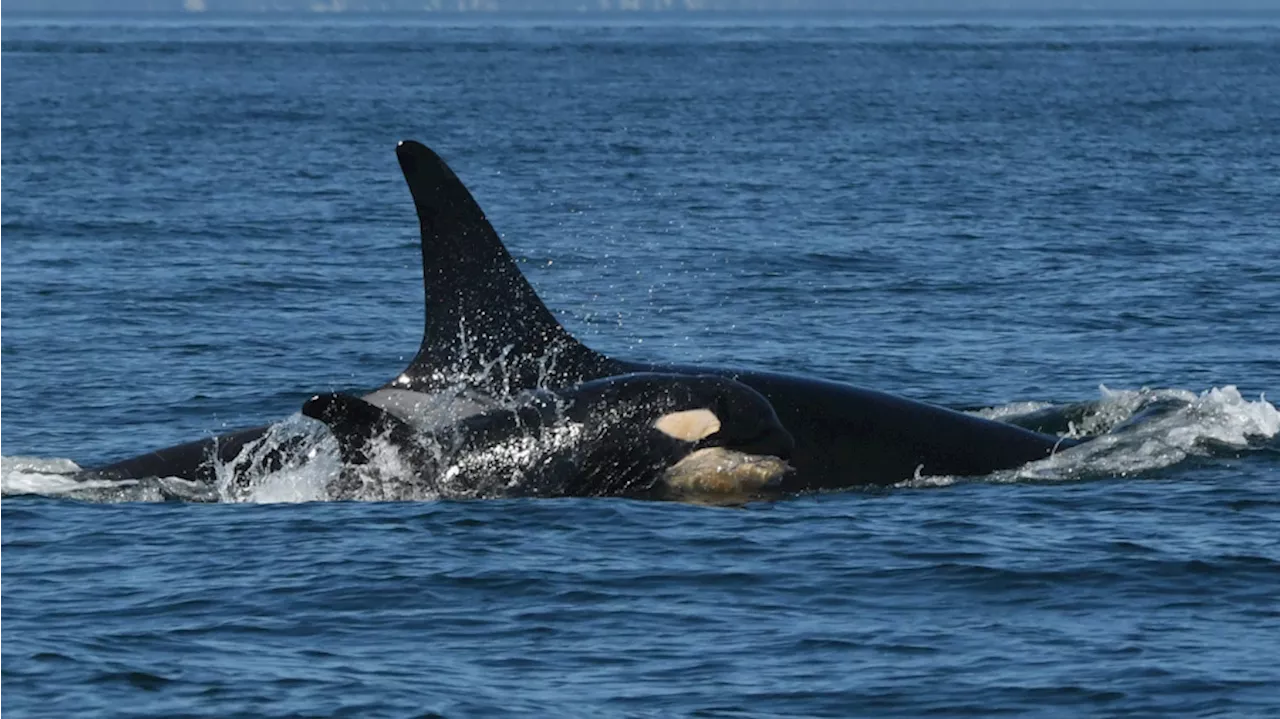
(354,423)
(485,326)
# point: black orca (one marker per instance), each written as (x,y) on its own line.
(645,435)
(484,320)
(486,328)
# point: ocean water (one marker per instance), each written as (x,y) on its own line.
(204,224)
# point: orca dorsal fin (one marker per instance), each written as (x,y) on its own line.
(485,326)
(355,422)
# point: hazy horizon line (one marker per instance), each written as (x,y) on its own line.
(626,8)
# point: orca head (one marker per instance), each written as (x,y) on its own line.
(740,454)
(673,434)
(746,421)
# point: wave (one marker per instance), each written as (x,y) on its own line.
(1135,432)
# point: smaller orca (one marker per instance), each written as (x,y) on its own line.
(194,461)
(643,435)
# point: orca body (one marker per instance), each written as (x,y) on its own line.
(195,461)
(845,436)
(487,330)
(653,436)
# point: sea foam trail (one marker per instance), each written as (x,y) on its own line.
(1138,431)
(1216,422)
(52,477)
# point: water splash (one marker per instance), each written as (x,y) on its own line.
(1149,430)
(1135,432)
(298,460)
(294,461)
(388,476)
(37,475)
(511,466)
(495,368)
(54,477)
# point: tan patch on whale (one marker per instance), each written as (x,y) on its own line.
(690,425)
(717,474)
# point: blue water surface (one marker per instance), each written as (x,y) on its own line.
(204,224)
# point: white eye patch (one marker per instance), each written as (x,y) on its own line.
(690,425)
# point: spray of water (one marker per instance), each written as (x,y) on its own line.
(1134,432)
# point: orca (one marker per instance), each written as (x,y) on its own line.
(486,329)
(645,436)
(486,325)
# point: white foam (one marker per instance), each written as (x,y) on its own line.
(303,483)
(1214,420)
(311,465)
(1126,442)
(388,476)
(37,475)
(52,477)
(1011,410)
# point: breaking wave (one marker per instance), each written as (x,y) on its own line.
(1135,432)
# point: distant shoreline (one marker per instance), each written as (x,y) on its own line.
(1227,16)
